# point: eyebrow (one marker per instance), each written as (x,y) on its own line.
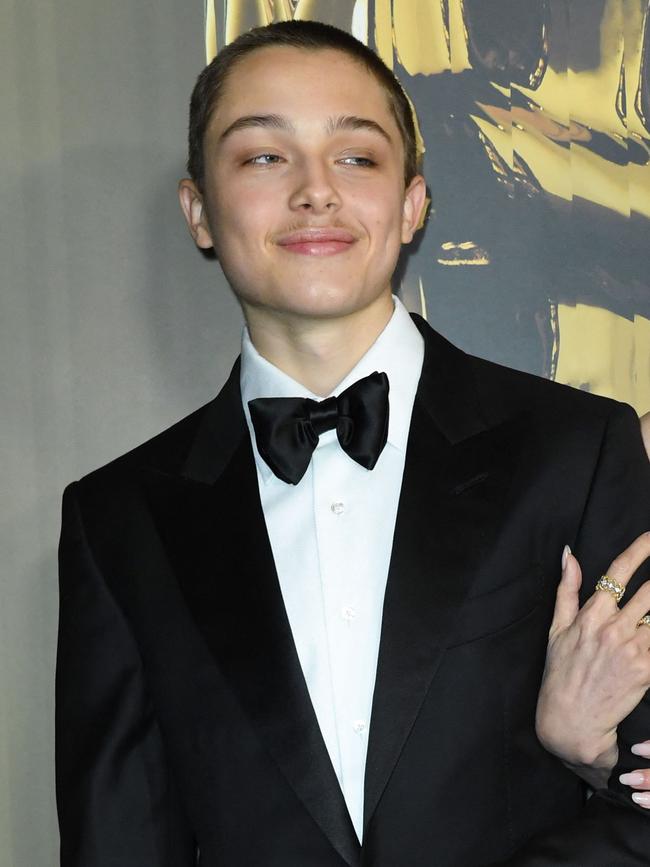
(280,122)
(353,122)
(267,121)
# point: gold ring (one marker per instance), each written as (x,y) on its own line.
(645,621)
(612,587)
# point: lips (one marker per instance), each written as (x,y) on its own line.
(317,241)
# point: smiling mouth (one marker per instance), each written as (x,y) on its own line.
(317,242)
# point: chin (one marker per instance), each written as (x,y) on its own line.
(325,302)
(312,298)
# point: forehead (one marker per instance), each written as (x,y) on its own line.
(300,83)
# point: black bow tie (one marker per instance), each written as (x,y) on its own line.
(287,428)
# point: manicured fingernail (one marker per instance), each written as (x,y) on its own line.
(641,798)
(632,779)
(642,749)
(565,556)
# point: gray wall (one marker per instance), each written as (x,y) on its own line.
(112,324)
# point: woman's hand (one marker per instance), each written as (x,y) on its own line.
(639,780)
(597,668)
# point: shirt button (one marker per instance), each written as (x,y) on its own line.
(359,725)
(348,613)
(338,508)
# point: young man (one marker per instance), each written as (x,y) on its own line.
(316,611)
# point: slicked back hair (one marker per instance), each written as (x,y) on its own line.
(308,35)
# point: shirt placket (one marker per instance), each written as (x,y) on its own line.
(334,506)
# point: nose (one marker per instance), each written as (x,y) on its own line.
(315,189)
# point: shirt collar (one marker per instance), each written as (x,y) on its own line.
(398,352)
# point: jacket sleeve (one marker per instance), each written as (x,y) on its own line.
(612,829)
(117,802)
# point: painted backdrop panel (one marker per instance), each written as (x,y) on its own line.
(535,125)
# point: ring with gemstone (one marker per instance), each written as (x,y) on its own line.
(645,621)
(609,585)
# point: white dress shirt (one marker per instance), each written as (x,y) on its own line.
(331,536)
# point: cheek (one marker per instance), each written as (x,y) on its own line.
(386,230)
(383,212)
(240,211)
(241,232)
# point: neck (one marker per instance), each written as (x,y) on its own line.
(317,352)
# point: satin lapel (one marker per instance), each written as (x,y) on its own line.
(450,507)
(216,538)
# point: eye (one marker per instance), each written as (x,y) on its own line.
(263,160)
(363,162)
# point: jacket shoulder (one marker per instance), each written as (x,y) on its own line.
(503,390)
(165,451)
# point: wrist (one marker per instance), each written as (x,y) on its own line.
(578,749)
(597,772)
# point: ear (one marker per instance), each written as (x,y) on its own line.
(194,212)
(415,202)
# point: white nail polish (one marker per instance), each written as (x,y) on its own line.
(642,798)
(634,778)
(642,749)
(565,555)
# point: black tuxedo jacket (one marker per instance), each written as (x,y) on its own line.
(185,733)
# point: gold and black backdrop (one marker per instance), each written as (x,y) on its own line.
(535,124)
